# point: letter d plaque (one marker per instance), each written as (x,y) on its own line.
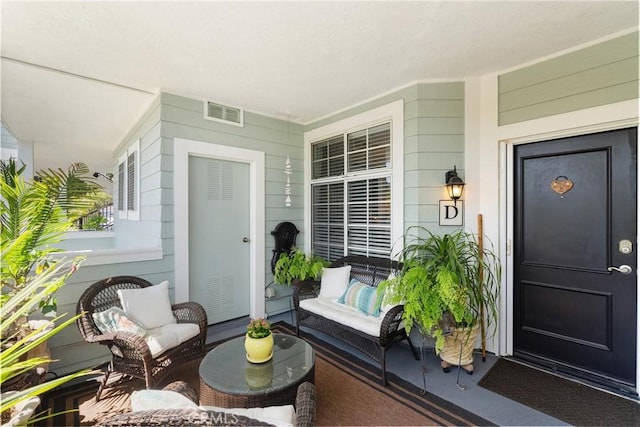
(451,213)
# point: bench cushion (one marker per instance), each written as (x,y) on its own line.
(343,314)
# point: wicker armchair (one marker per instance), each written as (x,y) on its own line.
(305,412)
(130,354)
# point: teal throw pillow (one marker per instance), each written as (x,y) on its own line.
(362,297)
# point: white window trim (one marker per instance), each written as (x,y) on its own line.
(126,213)
(393,112)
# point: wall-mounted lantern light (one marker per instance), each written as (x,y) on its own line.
(108,176)
(454,184)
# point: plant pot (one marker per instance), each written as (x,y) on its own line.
(35,376)
(458,348)
(19,415)
(42,349)
(259,350)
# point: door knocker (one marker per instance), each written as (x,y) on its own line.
(561,185)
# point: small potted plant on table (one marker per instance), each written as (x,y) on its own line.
(259,341)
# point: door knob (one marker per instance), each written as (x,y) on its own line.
(245,239)
(624,269)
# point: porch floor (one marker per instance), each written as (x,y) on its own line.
(400,361)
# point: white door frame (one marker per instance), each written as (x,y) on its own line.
(183,148)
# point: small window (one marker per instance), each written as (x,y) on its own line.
(128,187)
(369,149)
(328,157)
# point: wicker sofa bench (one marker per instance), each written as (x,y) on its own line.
(373,335)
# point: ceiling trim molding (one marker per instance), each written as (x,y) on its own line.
(569,50)
(80,76)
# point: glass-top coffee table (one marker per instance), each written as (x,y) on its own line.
(229,380)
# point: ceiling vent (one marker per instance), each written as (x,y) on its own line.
(223,113)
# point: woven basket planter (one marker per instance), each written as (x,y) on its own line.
(458,347)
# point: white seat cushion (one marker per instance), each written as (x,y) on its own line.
(343,314)
(282,416)
(149,400)
(168,336)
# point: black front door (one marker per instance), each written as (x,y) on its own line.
(575,219)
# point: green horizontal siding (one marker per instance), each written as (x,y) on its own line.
(183,118)
(597,75)
(407,94)
(433,142)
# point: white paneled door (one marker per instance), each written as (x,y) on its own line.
(219,226)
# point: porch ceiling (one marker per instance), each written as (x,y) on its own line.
(76,76)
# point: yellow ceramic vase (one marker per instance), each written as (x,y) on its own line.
(259,350)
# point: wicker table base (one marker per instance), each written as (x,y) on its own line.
(228,380)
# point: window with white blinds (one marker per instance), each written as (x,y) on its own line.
(327,234)
(128,187)
(369,217)
(351,194)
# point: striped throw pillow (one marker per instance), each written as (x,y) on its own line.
(362,297)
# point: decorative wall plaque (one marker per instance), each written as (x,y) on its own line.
(561,185)
(451,213)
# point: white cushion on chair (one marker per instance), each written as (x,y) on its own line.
(149,400)
(149,306)
(282,416)
(168,336)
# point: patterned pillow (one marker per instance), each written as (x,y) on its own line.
(114,319)
(363,297)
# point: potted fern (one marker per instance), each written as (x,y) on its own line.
(449,284)
(296,265)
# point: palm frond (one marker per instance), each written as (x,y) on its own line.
(37,208)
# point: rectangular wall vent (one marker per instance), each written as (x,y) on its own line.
(223,113)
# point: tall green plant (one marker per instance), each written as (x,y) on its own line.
(14,360)
(451,274)
(37,208)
